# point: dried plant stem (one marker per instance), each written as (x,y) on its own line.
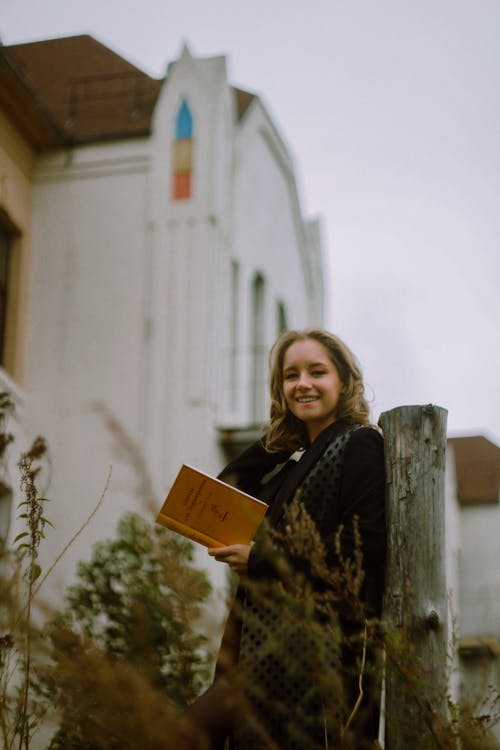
(360,683)
(434,722)
(75,535)
(24,729)
(22,726)
(36,523)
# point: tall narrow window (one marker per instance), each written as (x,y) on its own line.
(258,349)
(182,154)
(5,244)
(281,317)
(233,334)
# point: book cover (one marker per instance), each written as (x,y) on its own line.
(209,511)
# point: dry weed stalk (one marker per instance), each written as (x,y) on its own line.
(18,572)
(21,640)
(306,606)
(113,690)
(134,615)
(295,620)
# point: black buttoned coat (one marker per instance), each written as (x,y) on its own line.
(338,479)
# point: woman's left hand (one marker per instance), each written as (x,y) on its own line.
(235,555)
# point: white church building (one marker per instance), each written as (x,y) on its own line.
(156,247)
(152,247)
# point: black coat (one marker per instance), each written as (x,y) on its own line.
(340,477)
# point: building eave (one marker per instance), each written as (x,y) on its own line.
(22,106)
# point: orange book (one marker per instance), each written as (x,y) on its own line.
(209,511)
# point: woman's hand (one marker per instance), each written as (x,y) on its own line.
(235,555)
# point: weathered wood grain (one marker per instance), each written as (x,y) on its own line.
(415,604)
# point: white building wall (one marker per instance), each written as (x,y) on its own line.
(268,239)
(473,584)
(480,606)
(87,327)
(480,571)
(191,248)
(268,231)
(130,296)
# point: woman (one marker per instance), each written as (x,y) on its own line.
(321,469)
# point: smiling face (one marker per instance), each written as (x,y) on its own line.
(311,385)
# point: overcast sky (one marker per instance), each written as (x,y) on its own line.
(391,110)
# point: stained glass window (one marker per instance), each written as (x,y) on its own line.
(182,154)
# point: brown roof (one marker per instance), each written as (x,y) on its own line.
(24,107)
(477,464)
(87,91)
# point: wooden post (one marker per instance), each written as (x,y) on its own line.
(415,603)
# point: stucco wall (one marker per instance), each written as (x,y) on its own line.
(131,301)
(480,571)
(87,335)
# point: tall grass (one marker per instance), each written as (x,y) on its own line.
(117,666)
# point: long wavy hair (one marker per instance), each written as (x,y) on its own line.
(286,432)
